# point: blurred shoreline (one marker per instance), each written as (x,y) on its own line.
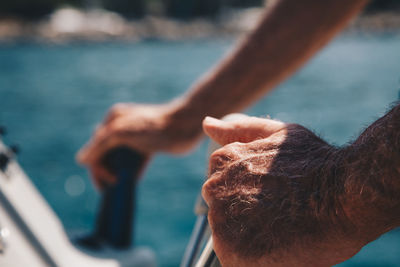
(97,25)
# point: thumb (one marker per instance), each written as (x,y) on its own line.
(240,128)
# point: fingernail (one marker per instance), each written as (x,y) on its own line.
(211,120)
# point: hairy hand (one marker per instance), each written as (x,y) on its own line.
(274,194)
(144,128)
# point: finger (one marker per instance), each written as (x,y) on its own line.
(81,155)
(85,155)
(116,111)
(101,177)
(212,190)
(102,141)
(244,129)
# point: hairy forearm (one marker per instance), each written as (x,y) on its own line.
(289,33)
(373,175)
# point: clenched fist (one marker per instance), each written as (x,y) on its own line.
(276,196)
(146,129)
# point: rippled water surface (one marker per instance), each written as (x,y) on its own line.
(52,97)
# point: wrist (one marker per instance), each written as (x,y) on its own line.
(372,171)
(183,126)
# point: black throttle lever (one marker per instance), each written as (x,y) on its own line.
(6,156)
(114,224)
(4,160)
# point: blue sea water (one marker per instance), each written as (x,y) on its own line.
(52,97)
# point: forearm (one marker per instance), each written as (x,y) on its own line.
(373,175)
(289,33)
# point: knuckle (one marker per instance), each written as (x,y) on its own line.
(114,129)
(106,132)
(115,109)
(110,129)
(234,146)
(211,188)
(219,159)
(220,156)
(225,156)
